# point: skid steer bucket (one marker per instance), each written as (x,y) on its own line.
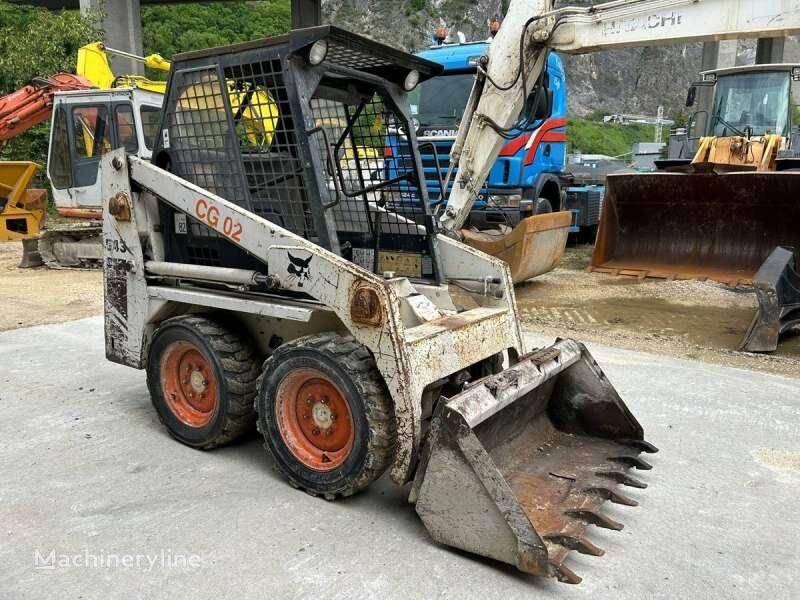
(519,464)
(532,248)
(696,226)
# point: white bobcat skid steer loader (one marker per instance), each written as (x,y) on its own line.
(232,248)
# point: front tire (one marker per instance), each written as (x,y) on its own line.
(326,415)
(202,378)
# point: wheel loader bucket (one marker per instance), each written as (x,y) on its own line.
(532,248)
(696,226)
(518,465)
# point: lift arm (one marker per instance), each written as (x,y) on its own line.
(533,28)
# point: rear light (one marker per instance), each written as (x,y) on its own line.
(387,152)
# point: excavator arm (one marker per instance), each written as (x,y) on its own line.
(531,28)
(33,103)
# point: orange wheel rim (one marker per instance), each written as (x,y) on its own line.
(188,383)
(314,419)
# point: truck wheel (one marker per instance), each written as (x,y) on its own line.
(326,415)
(202,378)
(543,206)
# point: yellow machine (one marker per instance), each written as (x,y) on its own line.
(22,211)
(93,64)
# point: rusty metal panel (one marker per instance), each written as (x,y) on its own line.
(696,226)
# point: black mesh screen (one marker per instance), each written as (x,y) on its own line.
(377,205)
(237,126)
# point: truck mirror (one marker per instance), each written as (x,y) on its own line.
(690,96)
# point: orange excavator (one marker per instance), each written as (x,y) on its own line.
(22,210)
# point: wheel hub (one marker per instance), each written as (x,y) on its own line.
(314,419)
(188,384)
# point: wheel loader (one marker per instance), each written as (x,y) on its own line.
(274,284)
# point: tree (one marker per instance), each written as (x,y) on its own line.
(35,42)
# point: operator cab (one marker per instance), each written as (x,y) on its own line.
(746,101)
(86,125)
(293,129)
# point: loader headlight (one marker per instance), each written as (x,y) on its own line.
(411,80)
(318,52)
(505,201)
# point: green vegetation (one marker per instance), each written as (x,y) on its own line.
(592,136)
(35,42)
(170,29)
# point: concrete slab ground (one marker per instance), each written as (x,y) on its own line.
(96,501)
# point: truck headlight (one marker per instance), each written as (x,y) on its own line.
(505,201)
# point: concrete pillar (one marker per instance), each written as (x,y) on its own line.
(710,54)
(769,50)
(306,13)
(122,24)
(726,57)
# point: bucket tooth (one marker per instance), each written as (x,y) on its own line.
(640,445)
(622,478)
(611,495)
(633,462)
(595,518)
(565,575)
(581,545)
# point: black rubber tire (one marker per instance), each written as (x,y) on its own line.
(543,206)
(352,367)
(235,364)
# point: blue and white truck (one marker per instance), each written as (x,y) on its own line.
(527,178)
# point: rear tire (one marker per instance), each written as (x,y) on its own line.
(326,415)
(202,378)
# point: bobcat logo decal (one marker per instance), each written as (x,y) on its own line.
(298,267)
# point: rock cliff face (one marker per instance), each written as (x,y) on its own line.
(631,81)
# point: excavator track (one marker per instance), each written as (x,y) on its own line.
(73,247)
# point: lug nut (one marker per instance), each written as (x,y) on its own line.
(333,416)
(315,431)
(306,416)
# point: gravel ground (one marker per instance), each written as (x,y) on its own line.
(686,319)
(38,296)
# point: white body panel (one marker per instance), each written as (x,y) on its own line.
(418,341)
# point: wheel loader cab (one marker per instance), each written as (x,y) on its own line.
(293,129)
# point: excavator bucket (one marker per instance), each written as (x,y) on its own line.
(777,286)
(519,465)
(532,248)
(719,226)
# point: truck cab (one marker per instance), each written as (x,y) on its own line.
(85,125)
(525,178)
